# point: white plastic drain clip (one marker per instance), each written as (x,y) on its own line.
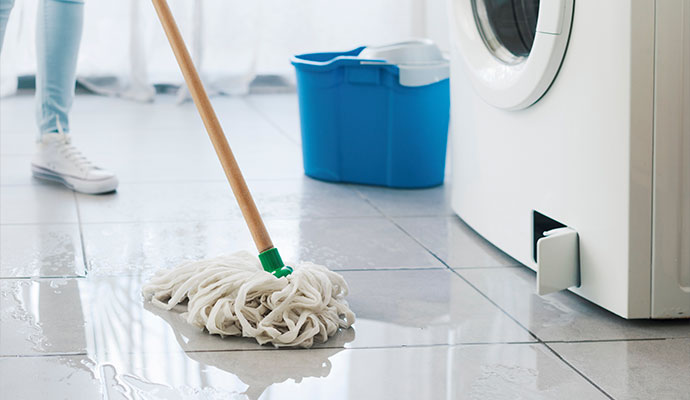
(558,261)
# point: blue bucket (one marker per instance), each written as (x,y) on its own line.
(373,120)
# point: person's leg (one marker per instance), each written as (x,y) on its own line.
(5,8)
(58,34)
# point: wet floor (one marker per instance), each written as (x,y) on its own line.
(442,314)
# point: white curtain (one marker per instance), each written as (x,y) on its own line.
(124,51)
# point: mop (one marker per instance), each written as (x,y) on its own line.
(238,294)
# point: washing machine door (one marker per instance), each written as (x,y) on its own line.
(512,48)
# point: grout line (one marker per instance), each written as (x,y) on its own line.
(371,203)
(81,234)
(235,219)
(146,273)
(402,346)
(169,181)
(419,216)
(534,335)
(487,267)
(37,223)
(353,189)
(463,278)
(606,340)
(384,269)
(40,278)
(270,121)
(539,341)
(198,221)
(68,354)
(268,348)
(591,382)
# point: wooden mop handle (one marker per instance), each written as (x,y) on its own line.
(215,131)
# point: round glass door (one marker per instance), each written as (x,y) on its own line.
(508,27)
(512,50)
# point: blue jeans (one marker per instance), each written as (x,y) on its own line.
(58,34)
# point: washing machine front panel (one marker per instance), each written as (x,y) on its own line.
(512,49)
(581,155)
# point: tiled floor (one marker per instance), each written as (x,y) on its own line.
(442,314)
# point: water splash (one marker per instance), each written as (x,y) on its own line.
(15,309)
(131,387)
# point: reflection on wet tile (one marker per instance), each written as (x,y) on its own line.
(563,315)
(409,202)
(424,307)
(354,243)
(459,372)
(454,242)
(636,369)
(41,317)
(208,201)
(40,250)
(64,377)
(444,310)
(37,204)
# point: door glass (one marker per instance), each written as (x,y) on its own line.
(507,27)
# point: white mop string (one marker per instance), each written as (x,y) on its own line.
(233,296)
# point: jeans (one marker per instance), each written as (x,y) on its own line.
(58,34)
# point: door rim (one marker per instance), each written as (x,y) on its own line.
(513,86)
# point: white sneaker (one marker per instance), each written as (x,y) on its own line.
(57,160)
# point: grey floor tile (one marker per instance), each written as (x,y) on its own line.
(251,136)
(18,143)
(409,202)
(16,170)
(37,204)
(563,316)
(161,130)
(64,377)
(163,114)
(656,369)
(338,243)
(454,242)
(207,201)
(280,109)
(199,165)
(40,251)
(39,317)
(152,153)
(17,114)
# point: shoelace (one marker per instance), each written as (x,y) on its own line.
(74,155)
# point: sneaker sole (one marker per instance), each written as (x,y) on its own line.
(76,184)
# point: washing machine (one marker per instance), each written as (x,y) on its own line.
(570,140)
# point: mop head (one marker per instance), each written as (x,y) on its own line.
(233,296)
